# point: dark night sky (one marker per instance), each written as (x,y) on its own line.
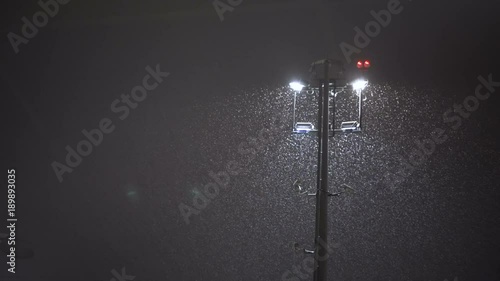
(119,207)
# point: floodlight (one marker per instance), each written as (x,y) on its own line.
(349,126)
(304,127)
(296,86)
(359,84)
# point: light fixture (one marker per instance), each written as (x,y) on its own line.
(304,127)
(296,86)
(349,126)
(363,64)
(359,85)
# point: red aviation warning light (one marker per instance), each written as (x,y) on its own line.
(363,64)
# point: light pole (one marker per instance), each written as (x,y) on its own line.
(321,230)
(326,73)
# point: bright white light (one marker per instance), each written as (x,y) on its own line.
(296,86)
(359,85)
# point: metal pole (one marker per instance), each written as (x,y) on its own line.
(321,239)
(360,101)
